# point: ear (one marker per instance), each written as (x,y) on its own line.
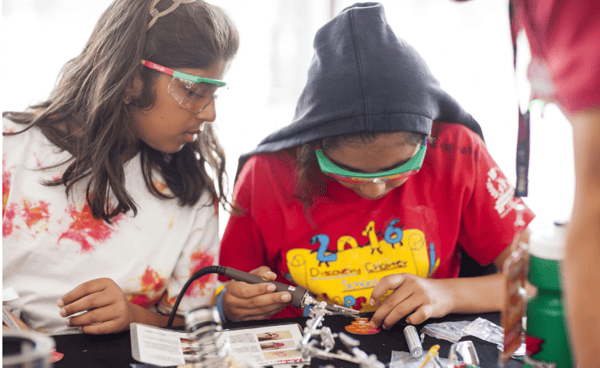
(134,89)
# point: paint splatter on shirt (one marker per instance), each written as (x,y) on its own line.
(87,230)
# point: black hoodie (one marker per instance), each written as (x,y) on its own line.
(364,78)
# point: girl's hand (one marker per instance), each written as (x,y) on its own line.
(243,302)
(416,297)
(105,307)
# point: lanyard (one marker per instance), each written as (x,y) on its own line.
(523,145)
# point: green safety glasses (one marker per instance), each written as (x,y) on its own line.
(402,172)
(193,93)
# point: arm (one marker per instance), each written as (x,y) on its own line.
(581,276)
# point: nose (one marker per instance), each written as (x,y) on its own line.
(372,190)
(209,113)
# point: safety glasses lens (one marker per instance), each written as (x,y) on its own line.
(384,179)
(193,96)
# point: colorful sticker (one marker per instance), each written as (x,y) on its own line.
(362,326)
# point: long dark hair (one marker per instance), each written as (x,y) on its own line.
(86,114)
(311,182)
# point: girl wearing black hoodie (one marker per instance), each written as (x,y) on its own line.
(368,197)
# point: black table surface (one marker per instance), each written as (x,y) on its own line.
(114,350)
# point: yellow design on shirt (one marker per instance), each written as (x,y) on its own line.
(348,276)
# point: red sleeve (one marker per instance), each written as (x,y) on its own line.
(242,246)
(255,232)
(488,215)
(565,35)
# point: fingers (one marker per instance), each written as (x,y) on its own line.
(100,315)
(104,318)
(387,283)
(390,282)
(242,290)
(85,303)
(394,308)
(409,298)
(244,301)
(400,311)
(89,295)
(254,299)
(264,272)
(420,315)
(261,313)
(247,298)
(97,306)
(102,328)
(81,290)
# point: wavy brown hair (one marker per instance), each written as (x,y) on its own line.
(86,114)
(311,182)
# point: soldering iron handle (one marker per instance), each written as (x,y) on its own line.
(297,292)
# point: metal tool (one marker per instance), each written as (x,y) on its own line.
(300,296)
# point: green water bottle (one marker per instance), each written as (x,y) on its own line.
(546,338)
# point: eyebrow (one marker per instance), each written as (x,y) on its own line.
(345,167)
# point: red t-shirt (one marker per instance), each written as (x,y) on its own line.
(459,196)
(564,37)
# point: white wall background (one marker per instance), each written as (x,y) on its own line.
(467,47)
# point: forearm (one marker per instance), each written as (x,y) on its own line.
(484,293)
(581,278)
(582,252)
(476,294)
(147,317)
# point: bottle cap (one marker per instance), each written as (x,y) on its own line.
(549,246)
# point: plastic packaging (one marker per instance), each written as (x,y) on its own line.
(486,330)
(450,331)
(403,359)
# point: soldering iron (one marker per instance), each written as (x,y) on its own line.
(301,297)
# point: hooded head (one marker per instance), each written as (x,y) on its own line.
(363,78)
